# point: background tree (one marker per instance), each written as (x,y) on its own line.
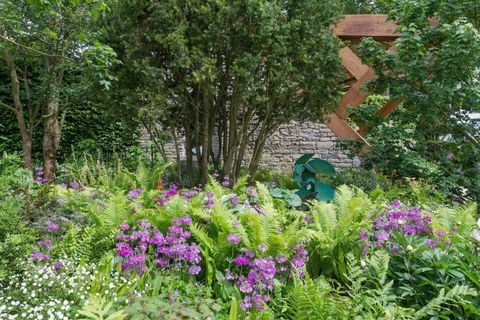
(232,70)
(40,43)
(435,70)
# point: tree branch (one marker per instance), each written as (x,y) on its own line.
(32,49)
(8,107)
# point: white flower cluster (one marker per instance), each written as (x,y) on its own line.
(59,291)
(45,292)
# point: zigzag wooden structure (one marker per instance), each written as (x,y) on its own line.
(354,28)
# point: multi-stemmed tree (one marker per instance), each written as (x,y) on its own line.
(41,43)
(235,70)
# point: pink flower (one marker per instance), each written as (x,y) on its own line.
(234,238)
(52,227)
(124,227)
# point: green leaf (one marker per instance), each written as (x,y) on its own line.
(277,192)
(233,309)
(303,159)
(324,192)
(299,168)
(308,176)
(320,166)
(294,200)
(303,192)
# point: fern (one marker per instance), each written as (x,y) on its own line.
(461,219)
(370,294)
(335,231)
(310,300)
(100,309)
(203,238)
(454,296)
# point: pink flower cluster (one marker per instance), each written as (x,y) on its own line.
(39,175)
(139,242)
(255,277)
(167,194)
(399,221)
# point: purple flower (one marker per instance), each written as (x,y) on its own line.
(58,265)
(251,192)
(45,243)
(39,169)
(262,247)
(208,203)
(134,193)
(234,201)
(234,238)
(123,249)
(257,209)
(74,185)
(395,203)
(185,220)
(52,227)
(363,234)
(298,261)
(143,223)
(193,270)
(246,304)
(163,262)
(226,181)
(39,256)
(440,233)
(410,229)
(432,243)
(241,261)
(216,174)
(229,275)
(244,286)
(307,218)
(124,227)
(382,235)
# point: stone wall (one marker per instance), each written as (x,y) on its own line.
(294,139)
(287,144)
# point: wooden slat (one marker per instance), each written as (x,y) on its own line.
(352,63)
(341,129)
(389,107)
(383,112)
(355,95)
(366,25)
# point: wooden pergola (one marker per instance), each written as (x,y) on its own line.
(354,28)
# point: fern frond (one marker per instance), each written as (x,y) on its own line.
(203,238)
(455,296)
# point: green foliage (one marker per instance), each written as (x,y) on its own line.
(311,299)
(281,65)
(305,174)
(172,306)
(99,309)
(370,293)
(434,68)
(15,235)
(84,272)
(335,229)
(290,197)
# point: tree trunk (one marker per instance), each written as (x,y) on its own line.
(206,140)
(27,151)
(188,149)
(177,153)
(51,139)
(18,110)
